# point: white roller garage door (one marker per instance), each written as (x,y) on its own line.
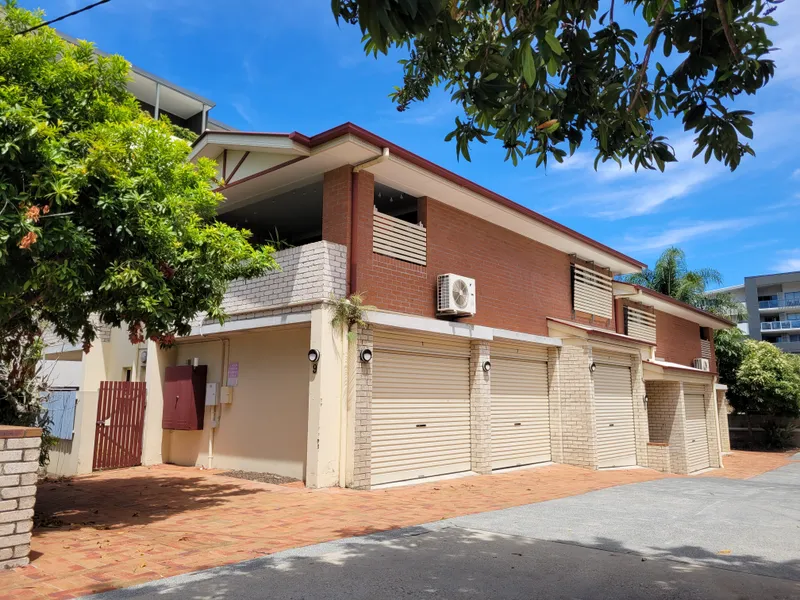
(697,455)
(613,402)
(520,407)
(420,406)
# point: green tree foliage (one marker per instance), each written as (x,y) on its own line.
(672,277)
(731,347)
(539,75)
(101,217)
(768,381)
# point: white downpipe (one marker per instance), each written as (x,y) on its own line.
(214,415)
(158,101)
(372,162)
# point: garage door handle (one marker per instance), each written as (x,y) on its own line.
(610,424)
(517,424)
(422,425)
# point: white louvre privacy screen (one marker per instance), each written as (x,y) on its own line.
(399,239)
(592,292)
(420,406)
(694,404)
(520,407)
(613,402)
(640,324)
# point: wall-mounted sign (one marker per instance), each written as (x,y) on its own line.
(233,374)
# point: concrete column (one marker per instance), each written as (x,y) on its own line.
(480,400)
(579,427)
(325,399)
(362,417)
(722,411)
(640,423)
(154,440)
(554,395)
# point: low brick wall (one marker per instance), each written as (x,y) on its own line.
(19,461)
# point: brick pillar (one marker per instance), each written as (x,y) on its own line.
(336,199)
(361,242)
(362,439)
(640,423)
(714,454)
(667,421)
(554,395)
(19,462)
(577,407)
(480,400)
(722,411)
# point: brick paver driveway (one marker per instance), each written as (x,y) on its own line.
(119,528)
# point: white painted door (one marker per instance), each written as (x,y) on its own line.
(420,406)
(697,455)
(613,403)
(520,407)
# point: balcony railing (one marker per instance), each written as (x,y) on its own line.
(778,303)
(780,325)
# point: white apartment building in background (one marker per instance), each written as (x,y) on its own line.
(772,304)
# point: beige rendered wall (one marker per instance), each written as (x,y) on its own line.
(264,428)
(722,411)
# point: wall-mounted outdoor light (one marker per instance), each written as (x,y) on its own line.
(487,366)
(646,400)
(313,356)
(593,367)
(365,355)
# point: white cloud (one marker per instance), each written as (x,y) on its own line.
(790,263)
(796,174)
(244,107)
(785,38)
(680,234)
(795,201)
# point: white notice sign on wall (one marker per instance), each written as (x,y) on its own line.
(233,374)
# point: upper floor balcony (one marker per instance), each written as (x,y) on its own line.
(779,305)
(780,326)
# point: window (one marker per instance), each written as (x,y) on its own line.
(127,373)
(793,297)
(794,317)
(768,298)
(793,338)
(703,333)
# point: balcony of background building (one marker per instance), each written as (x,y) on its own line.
(780,326)
(779,305)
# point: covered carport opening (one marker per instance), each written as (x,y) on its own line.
(261,423)
(681,414)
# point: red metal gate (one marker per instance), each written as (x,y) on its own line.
(120,425)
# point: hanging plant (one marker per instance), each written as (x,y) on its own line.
(349,312)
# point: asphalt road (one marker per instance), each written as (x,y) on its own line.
(677,538)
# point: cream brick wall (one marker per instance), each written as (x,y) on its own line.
(310,272)
(480,400)
(576,407)
(640,421)
(711,426)
(554,394)
(722,412)
(658,457)
(667,420)
(362,448)
(19,462)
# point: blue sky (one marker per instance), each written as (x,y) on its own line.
(284,66)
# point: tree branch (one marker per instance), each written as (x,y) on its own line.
(726,27)
(611,12)
(646,61)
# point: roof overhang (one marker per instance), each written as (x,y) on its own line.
(596,336)
(309,158)
(669,305)
(658,370)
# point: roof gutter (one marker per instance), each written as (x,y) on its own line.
(352,278)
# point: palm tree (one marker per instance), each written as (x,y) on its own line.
(672,277)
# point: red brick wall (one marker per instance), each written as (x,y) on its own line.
(519,282)
(678,340)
